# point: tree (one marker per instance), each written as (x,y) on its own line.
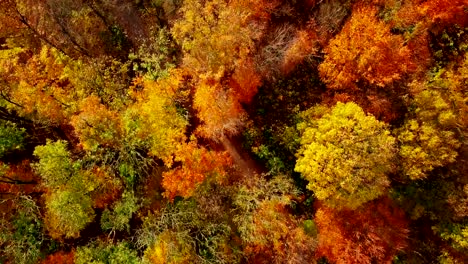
(181,233)
(361,55)
(267,228)
(11,137)
(55,165)
(21,232)
(374,233)
(218,109)
(119,218)
(345,155)
(425,143)
(433,129)
(68,212)
(157,118)
(96,125)
(198,163)
(214,35)
(35,87)
(105,252)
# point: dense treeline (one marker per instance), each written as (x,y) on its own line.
(233,131)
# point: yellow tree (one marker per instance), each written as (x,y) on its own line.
(214,34)
(431,134)
(346,155)
(157,117)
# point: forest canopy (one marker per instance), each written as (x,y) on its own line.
(233,131)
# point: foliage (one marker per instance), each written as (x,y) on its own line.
(218,109)
(21,237)
(96,125)
(457,234)
(55,165)
(180,233)
(198,163)
(120,123)
(430,135)
(345,155)
(156,55)
(362,53)
(214,35)
(425,143)
(68,212)
(373,233)
(159,123)
(101,252)
(265,225)
(119,218)
(11,137)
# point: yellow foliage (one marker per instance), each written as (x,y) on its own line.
(345,155)
(429,136)
(160,121)
(169,250)
(213,34)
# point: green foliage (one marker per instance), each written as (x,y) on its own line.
(310,227)
(21,237)
(69,212)
(11,137)
(274,163)
(55,165)
(104,253)
(345,155)
(119,218)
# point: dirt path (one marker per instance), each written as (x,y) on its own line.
(244,164)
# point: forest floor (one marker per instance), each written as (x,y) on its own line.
(243,162)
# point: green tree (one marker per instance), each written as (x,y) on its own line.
(102,253)
(55,165)
(11,137)
(21,234)
(68,212)
(119,218)
(345,155)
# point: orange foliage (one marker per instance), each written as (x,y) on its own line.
(433,13)
(96,125)
(197,163)
(365,53)
(245,81)
(18,172)
(259,9)
(446,11)
(40,90)
(279,238)
(218,109)
(374,233)
(60,258)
